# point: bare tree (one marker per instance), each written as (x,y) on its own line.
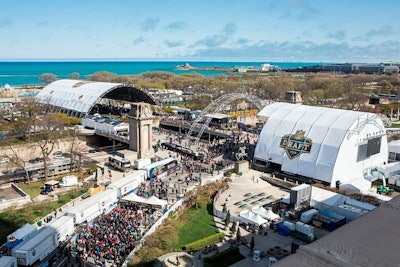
(29,111)
(16,159)
(103,76)
(49,131)
(47,77)
(74,150)
(74,75)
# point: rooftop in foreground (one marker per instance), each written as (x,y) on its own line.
(371,240)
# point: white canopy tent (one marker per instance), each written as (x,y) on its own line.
(265,213)
(154,201)
(247,216)
(133,198)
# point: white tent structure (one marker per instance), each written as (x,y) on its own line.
(265,213)
(133,198)
(321,143)
(155,201)
(247,216)
(324,199)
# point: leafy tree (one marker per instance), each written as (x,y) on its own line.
(47,77)
(68,120)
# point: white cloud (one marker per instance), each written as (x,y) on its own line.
(172,43)
(230,29)
(303,51)
(339,35)
(214,40)
(150,24)
(177,25)
(385,30)
(138,40)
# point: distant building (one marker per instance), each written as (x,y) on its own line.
(351,68)
(293,97)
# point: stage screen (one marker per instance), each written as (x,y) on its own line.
(374,146)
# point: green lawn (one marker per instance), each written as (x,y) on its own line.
(193,225)
(32,189)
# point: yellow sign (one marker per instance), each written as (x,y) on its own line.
(243,113)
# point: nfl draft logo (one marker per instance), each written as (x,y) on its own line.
(295,144)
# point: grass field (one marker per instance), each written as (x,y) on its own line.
(32,189)
(193,225)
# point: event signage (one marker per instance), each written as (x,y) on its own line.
(296,144)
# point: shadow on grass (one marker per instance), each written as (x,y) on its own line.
(210,208)
(8,226)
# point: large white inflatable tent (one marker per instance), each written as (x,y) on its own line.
(321,143)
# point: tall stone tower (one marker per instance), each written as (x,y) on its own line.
(140,130)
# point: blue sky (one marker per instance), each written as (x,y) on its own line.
(208,30)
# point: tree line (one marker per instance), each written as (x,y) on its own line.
(350,91)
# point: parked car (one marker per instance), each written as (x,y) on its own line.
(4,160)
(58,155)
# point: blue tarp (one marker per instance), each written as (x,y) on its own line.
(13,244)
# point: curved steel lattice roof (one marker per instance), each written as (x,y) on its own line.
(79,96)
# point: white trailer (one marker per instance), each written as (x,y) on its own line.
(128,183)
(8,261)
(25,232)
(69,180)
(141,163)
(36,248)
(304,228)
(64,227)
(85,210)
(93,206)
(307,216)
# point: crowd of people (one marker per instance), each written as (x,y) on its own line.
(112,236)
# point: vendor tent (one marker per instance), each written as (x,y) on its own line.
(324,199)
(134,198)
(247,216)
(154,201)
(357,185)
(265,213)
